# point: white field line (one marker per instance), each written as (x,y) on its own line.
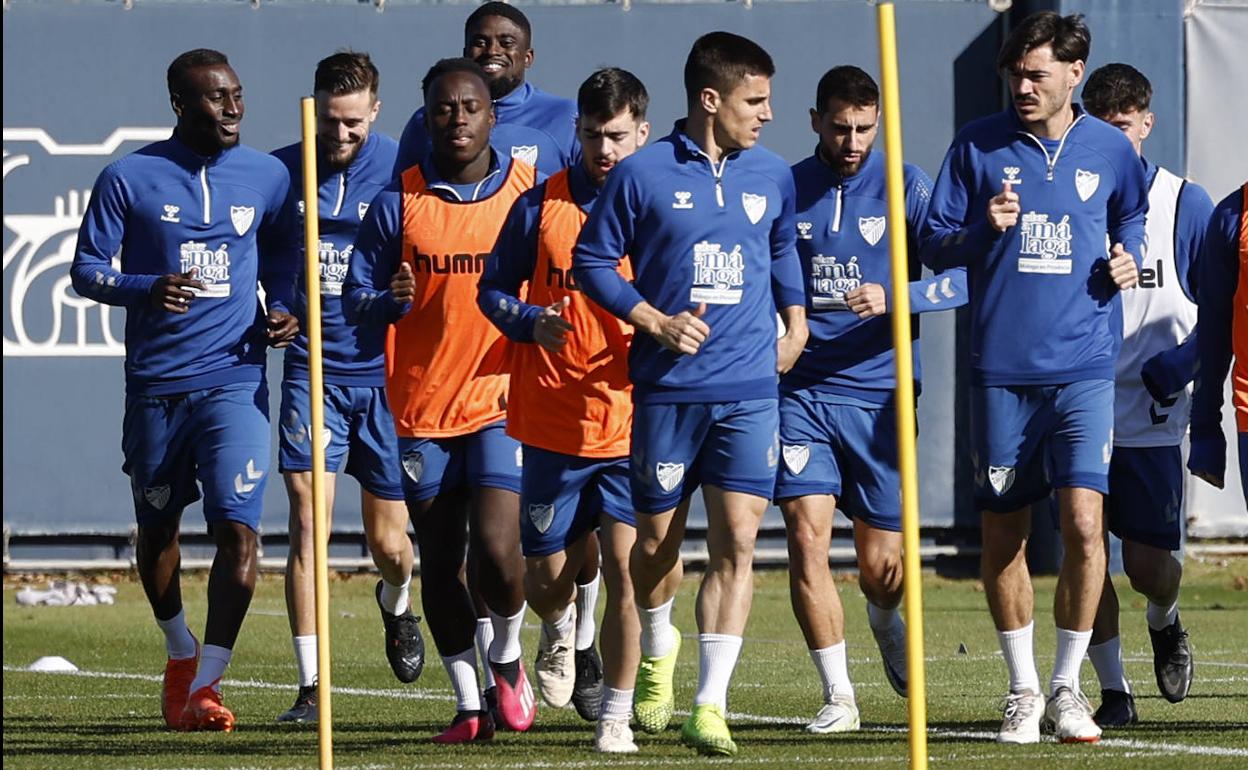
(1154,747)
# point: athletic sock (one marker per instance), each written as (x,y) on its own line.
(563,624)
(506,644)
(462,670)
(1071,647)
(1161,617)
(484,638)
(1020,658)
(657,638)
(509,671)
(1107,662)
(395,599)
(586,603)
(616,704)
(305,659)
(717,657)
(833,670)
(213,661)
(882,621)
(179,643)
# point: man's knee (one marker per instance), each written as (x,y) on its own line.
(880,577)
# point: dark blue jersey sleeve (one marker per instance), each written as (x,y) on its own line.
(605,239)
(787,286)
(954,233)
(511,263)
(378,250)
(99,240)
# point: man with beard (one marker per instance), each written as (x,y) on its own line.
(838,424)
(571,407)
(419,254)
(533,126)
(353,165)
(193,219)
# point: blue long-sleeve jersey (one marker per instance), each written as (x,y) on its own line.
(165,209)
(1044,310)
(697,232)
(843,244)
(353,355)
(530,124)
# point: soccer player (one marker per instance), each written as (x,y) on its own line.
(192,220)
(571,408)
(419,253)
(533,126)
(707,218)
(1224,333)
(837,415)
(353,165)
(1155,368)
(1026,199)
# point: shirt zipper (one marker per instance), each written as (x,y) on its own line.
(836,219)
(203,185)
(1051,162)
(342,192)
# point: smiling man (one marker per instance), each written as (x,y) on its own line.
(353,165)
(532,125)
(194,221)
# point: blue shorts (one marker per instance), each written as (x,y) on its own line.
(843,450)
(1028,440)
(487,458)
(356,419)
(677,447)
(1145,501)
(563,496)
(216,436)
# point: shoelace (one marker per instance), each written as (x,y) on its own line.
(1017,707)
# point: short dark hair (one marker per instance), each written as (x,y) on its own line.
(175,76)
(1117,88)
(446,67)
(346,72)
(1068,36)
(848,84)
(509,12)
(722,60)
(610,91)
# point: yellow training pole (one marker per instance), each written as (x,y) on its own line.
(316,391)
(905,386)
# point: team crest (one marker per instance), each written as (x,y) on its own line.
(158,497)
(670,475)
(872,229)
(526,153)
(242,217)
(414,464)
(541,515)
(1001,478)
(1086,183)
(755,206)
(362,208)
(796,457)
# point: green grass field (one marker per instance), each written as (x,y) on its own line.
(108,715)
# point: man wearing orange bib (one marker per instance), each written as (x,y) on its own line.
(420,251)
(571,408)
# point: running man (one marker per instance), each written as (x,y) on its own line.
(1026,199)
(838,424)
(353,165)
(571,407)
(193,218)
(419,254)
(707,217)
(1144,506)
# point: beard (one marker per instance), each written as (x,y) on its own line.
(503,85)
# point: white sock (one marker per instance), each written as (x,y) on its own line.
(395,600)
(506,645)
(586,603)
(485,637)
(1107,661)
(1160,617)
(213,661)
(305,659)
(563,624)
(462,670)
(881,620)
(717,657)
(1071,647)
(616,704)
(833,670)
(657,637)
(1020,658)
(179,643)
